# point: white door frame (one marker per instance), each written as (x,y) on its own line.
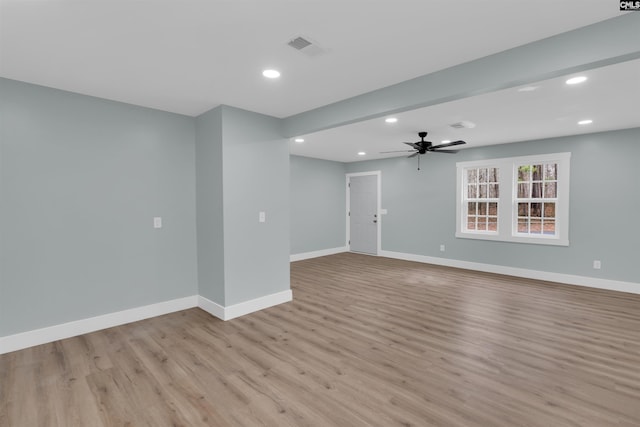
(378,209)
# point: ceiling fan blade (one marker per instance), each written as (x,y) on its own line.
(397,151)
(413,155)
(448,144)
(444,151)
(413,144)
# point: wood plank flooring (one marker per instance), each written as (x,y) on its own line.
(366,342)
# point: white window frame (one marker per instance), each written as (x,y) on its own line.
(507,206)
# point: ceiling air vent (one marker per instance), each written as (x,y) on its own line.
(305,46)
(299,43)
(463,125)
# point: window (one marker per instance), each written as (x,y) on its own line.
(536,198)
(481,199)
(524,199)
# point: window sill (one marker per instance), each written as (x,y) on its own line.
(550,241)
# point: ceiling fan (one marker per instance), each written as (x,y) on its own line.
(423,147)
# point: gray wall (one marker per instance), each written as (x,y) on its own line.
(603,207)
(242,168)
(317,204)
(210,222)
(255,178)
(80,180)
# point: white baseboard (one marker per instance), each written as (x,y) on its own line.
(591,282)
(316,254)
(78,327)
(246,307)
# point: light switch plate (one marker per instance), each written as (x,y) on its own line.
(157,222)
(262,217)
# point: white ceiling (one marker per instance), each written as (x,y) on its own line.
(610,97)
(187,56)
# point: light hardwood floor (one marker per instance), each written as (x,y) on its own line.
(366,342)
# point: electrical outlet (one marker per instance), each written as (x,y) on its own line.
(157,222)
(262,217)
(441,248)
(597,265)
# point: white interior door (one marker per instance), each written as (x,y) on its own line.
(363,214)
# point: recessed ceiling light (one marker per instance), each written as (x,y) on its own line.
(585,122)
(299,140)
(271,74)
(361,153)
(528,88)
(576,80)
(445,141)
(391,120)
